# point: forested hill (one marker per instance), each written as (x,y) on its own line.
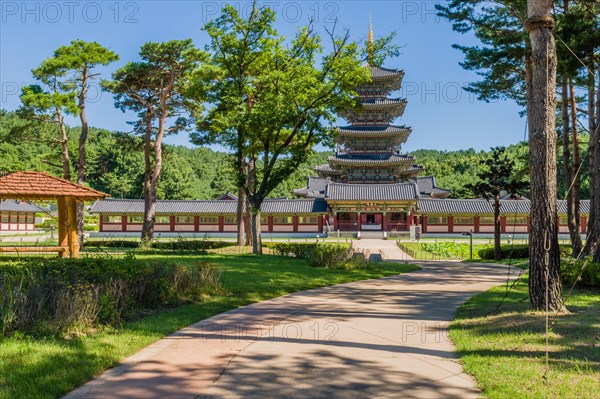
(115,163)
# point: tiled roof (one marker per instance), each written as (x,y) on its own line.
(372,192)
(413,169)
(39,185)
(428,187)
(387,129)
(584,207)
(14,206)
(227,197)
(316,205)
(315,188)
(386,102)
(482,206)
(325,168)
(379,72)
(375,160)
(114,206)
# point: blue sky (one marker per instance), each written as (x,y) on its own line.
(442,115)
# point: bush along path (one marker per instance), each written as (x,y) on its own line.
(377,338)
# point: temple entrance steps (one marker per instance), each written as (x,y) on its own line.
(377,249)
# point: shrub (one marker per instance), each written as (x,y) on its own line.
(570,271)
(59,295)
(330,256)
(317,255)
(516,251)
(296,249)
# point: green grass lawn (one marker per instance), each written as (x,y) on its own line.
(505,351)
(47,367)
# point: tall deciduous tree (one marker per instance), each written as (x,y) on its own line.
(497,174)
(155,89)
(545,290)
(271,98)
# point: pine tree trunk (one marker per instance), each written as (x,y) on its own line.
(592,246)
(544,257)
(596,204)
(566,144)
(64,144)
(497,232)
(83,136)
(148,224)
(574,196)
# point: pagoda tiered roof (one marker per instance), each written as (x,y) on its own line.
(378,72)
(373,131)
(371,159)
(375,111)
(326,170)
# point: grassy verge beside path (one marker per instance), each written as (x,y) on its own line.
(47,367)
(505,351)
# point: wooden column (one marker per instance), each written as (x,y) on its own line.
(358,221)
(384,225)
(335,221)
(476,221)
(424,222)
(295,223)
(502,224)
(72,228)
(221,223)
(320,218)
(172,223)
(196,223)
(583,223)
(101,227)
(450,224)
(270,224)
(63,222)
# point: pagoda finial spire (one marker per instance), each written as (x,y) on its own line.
(370,28)
(370,42)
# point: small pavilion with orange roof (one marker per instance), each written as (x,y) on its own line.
(27,185)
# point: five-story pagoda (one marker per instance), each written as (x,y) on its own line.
(368,150)
(368,184)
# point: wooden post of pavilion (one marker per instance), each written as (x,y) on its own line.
(62,225)
(42,186)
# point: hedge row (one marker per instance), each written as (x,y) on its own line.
(57,295)
(174,245)
(517,251)
(580,273)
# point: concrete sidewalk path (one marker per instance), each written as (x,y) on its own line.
(384,338)
(385,249)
